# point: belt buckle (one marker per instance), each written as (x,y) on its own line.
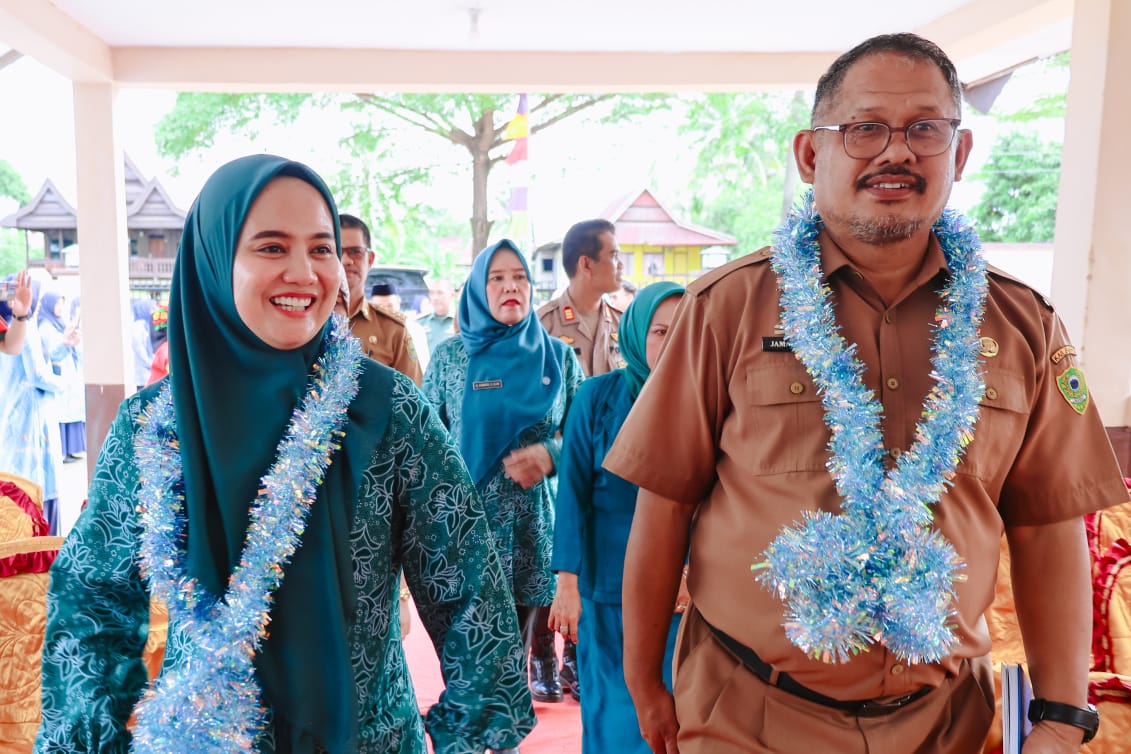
(873,708)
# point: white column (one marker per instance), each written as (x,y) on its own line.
(1092,259)
(104,260)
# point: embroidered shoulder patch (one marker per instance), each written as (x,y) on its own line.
(1072,386)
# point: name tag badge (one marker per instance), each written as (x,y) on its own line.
(487,385)
(775,344)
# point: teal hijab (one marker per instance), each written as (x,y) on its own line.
(634,331)
(513,373)
(233,396)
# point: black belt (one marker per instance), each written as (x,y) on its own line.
(762,669)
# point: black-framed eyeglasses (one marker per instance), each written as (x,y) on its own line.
(354,252)
(867,140)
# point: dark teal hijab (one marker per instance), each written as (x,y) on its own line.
(233,396)
(513,373)
(634,331)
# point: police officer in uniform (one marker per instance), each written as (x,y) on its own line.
(383,335)
(588,324)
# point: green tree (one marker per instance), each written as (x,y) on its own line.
(473,123)
(11,184)
(744,178)
(12,252)
(1022,176)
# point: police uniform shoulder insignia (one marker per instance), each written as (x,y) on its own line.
(568,314)
(1072,386)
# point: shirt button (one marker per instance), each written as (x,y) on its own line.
(896,669)
(797,388)
(893,383)
(889,316)
(991,393)
(896,452)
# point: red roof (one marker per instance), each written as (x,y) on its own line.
(642,220)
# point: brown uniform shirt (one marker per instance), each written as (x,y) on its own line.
(730,422)
(384,338)
(598,352)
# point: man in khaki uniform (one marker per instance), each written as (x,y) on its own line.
(384,337)
(757,454)
(580,316)
(588,324)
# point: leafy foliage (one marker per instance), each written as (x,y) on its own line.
(1022,174)
(11,184)
(375,177)
(13,254)
(1021,177)
(745,176)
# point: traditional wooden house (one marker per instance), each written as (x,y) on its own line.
(153,222)
(654,245)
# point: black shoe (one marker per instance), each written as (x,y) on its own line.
(570,680)
(545,685)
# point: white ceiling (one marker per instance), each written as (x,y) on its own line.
(423,43)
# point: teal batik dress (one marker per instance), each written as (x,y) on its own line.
(416,508)
(522,521)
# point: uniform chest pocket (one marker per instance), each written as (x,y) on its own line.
(784,423)
(1002,421)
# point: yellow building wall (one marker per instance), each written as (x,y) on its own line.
(680,263)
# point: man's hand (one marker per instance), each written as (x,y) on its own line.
(566,609)
(528,466)
(655,711)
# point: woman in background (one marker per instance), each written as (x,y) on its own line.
(594,515)
(29,421)
(503,387)
(62,346)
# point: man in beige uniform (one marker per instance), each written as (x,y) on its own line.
(587,323)
(580,316)
(384,337)
(751,446)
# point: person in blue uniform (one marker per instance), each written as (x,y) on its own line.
(594,515)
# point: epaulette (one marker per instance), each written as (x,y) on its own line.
(398,317)
(1003,275)
(704,282)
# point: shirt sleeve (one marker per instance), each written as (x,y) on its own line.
(97,614)
(575,482)
(460,592)
(1065,466)
(433,383)
(404,358)
(686,397)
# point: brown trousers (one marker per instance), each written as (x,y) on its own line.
(723,708)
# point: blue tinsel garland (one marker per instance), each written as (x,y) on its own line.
(210,701)
(878,572)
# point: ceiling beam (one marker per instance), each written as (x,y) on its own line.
(987,38)
(39,29)
(355,70)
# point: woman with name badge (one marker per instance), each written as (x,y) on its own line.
(503,387)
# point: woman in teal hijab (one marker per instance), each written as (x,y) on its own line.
(269,493)
(594,515)
(503,387)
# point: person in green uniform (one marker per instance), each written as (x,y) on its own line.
(269,492)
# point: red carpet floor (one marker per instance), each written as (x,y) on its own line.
(559,725)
